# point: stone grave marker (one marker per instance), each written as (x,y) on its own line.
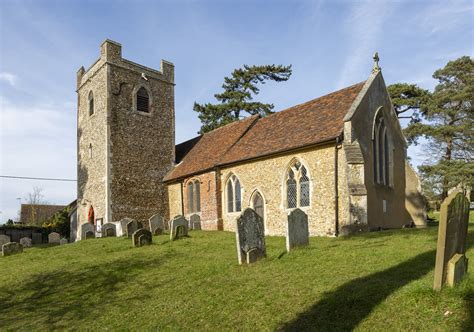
(250,237)
(451,261)
(26,242)
(123,225)
(53,238)
(87,231)
(195,221)
(37,238)
(11,248)
(156,224)
(132,227)
(178,228)
(63,241)
(141,237)
(109,230)
(4,239)
(297,232)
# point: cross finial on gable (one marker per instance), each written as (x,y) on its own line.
(376,63)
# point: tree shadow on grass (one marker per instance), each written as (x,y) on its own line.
(345,307)
(469,304)
(61,299)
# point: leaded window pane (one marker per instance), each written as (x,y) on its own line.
(304,188)
(190,197)
(238,202)
(291,193)
(197,194)
(258,204)
(230,197)
(386,158)
(380,152)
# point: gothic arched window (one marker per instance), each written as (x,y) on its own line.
(234,198)
(297,186)
(90,100)
(381,151)
(143,100)
(194,196)
(257,204)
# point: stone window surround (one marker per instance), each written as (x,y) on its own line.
(90,98)
(284,189)
(228,178)
(193,181)
(150,99)
(250,203)
(379,114)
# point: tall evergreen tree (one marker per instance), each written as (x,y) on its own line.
(449,119)
(408,100)
(237,96)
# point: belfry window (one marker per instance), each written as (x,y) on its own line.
(234,200)
(90,100)
(297,186)
(143,100)
(194,196)
(381,151)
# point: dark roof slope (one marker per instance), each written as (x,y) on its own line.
(183,148)
(313,122)
(37,213)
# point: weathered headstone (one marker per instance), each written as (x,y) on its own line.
(109,230)
(123,225)
(195,221)
(63,241)
(141,237)
(156,224)
(37,238)
(26,242)
(53,238)
(132,227)
(87,231)
(178,228)
(452,233)
(250,237)
(11,248)
(4,239)
(297,232)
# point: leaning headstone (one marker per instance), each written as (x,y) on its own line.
(451,262)
(53,238)
(37,238)
(141,237)
(195,221)
(297,233)
(156,224)
(87,231)
(178,228)
(4,239)
(11,248)
(250,236)
(26,242)
(109,230)
(132,227)
(63,241)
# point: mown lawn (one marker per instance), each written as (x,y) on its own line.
(376,281)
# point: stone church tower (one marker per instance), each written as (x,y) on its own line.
(125,137)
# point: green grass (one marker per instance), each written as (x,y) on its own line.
(376,281)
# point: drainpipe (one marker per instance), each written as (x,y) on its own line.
(336,189)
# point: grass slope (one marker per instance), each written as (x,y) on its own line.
(376,281)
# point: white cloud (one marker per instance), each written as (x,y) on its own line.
(444,16)
(8,78)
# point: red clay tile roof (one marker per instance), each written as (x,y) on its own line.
(37,213)
(315,121)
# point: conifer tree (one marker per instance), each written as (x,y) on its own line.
(237,97)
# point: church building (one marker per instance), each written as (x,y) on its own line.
(341,158)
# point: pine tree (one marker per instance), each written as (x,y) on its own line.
(408,100)
(237,97)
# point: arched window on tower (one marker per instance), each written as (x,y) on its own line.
(143,100)
(90,100)
(234,199)
(381,151)
(297,186)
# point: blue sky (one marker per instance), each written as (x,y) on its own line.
(329,43)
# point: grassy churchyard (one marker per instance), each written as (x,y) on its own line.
(376,281)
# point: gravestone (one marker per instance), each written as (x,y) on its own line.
(37,238)
(132,227)
(451,262)
(178,228)
(157,224)
(109,230)
(53,238)
(4,239)
(11,248)
(87,231)
(141,237)
(195,221)
(297,232)
(123,225)
(26,242)
(250,237)
(63,241)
